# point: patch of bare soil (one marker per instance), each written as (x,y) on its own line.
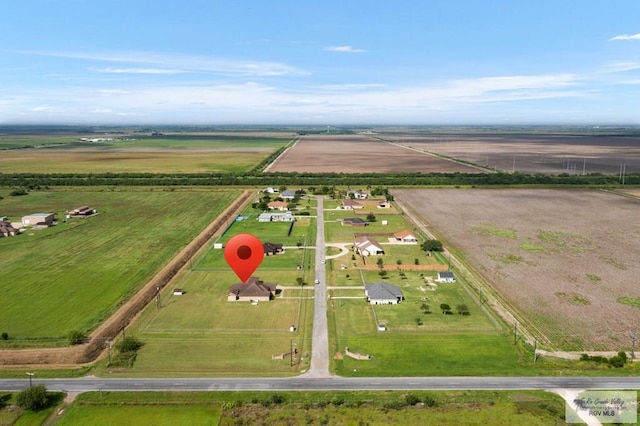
(562,258)
(359,154)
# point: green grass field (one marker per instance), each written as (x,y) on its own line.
(74,275)
(348,408)
(143,154)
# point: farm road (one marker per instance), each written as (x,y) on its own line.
(320,337)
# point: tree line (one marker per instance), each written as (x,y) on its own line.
(257,178)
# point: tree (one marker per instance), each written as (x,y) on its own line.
(416,261)
(425,308)
(418,321)
(371,217)
(300,281)
(5,335)
(445,309)
(462,309)
(431,245)
(380,263)
(33,398)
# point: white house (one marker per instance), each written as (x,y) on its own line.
(367,246)
(358,195)
(276,217)
(349,204)
(446,277)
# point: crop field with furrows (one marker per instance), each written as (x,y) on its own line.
(566,260)
(534,153)
(73,275)
(359,154)
(163,154)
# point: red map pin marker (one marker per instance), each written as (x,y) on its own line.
(244,253)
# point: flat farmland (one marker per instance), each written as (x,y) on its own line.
(359,154)
(134,154)
(534,153)
(72,276)
(564,259)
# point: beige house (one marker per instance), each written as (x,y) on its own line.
(349,204)
(405,237)
(253,290)
(277,205)
(38,219)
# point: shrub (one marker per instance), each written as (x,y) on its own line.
(18,192)
(4,335)
(76,337)
(411,399)
(33,398)
(430,401)
(129,344)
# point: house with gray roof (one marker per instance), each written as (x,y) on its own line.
(383,293)
(446,277)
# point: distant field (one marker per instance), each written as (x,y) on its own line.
(170,154)
(565,259)
(359,154)
(534,153)
(74,275)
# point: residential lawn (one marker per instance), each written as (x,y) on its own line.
(201,332)
(338,233)
(74,275)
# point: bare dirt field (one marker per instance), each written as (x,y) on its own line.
(535,153)
(565,259)
(359,154)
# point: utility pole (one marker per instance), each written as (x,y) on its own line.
(158,304)
(634,340)
(291,349)
(515,332)
(30,376)
(535,350)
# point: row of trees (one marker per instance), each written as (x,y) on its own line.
(322,182)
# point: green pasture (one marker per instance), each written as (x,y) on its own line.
(28,141)
(74,275)
(201,332)
(152,414)
(137,154)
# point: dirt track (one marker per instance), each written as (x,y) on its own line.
(86,353)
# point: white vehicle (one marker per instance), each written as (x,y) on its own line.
(317,282)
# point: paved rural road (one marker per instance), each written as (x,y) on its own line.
(327,383)
(320,338)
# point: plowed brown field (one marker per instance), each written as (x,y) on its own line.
(359,154)
(565,259)
(534,153)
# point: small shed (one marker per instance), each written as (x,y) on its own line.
(178,292)
(446,277)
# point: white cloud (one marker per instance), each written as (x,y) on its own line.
(344,49)
(181,62)
(138,71)
(621,67)
(626,37)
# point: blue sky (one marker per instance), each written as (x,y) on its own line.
(320,62)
